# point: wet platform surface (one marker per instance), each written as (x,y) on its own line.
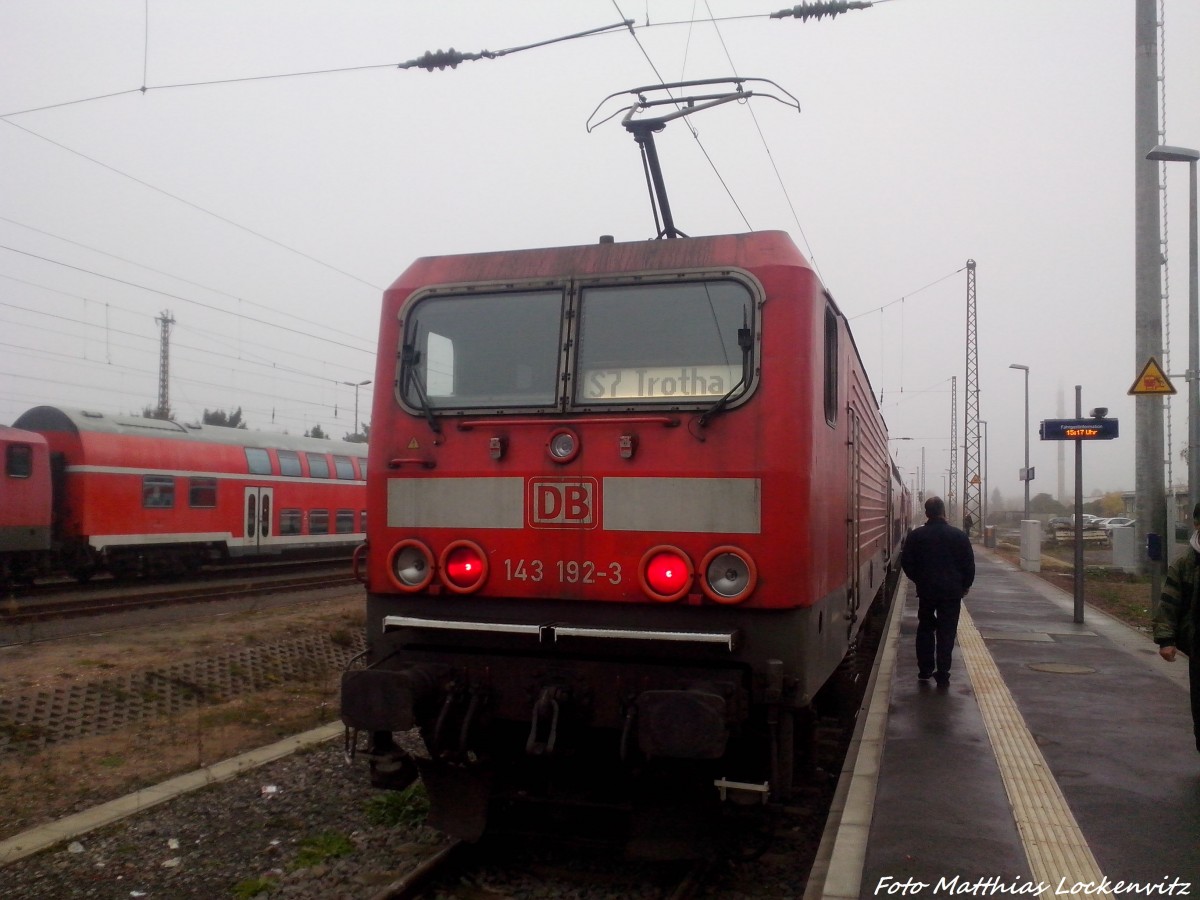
(1059,755)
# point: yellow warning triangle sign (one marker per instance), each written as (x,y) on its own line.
(1152,380)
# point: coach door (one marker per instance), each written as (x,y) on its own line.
(257,512)
(853,514)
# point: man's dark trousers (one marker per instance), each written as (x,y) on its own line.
(937,624)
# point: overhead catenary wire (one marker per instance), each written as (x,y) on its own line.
(179,278)
(429,61)
(192,205)
(199,303)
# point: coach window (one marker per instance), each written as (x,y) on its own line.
(343,468)
(290,521)
(18,461)
(258,461)
(289,462)
(362,521)
(361,461)
(318,465)
(344,523)
(202,492)
(318,521)
(664,343)
(483,351)
(831,366)
(158,492)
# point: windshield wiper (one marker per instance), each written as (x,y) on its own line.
(746,343)
(410,356)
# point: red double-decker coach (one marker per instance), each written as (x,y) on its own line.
(135,495)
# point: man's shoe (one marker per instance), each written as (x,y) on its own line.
(942,678)
(924,676)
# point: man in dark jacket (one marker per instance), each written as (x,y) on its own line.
(939,559)
(1177,621)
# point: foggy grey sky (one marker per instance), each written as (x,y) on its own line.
(269,215)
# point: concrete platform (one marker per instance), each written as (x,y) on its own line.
(1060,755)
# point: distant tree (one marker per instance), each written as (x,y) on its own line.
(151,412)
(1044,503)
(223,419)
(997,501)
(316,432)
(362,437)
(1105,505)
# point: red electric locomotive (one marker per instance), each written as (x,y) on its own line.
(629,505)
(138,495)
(24,504)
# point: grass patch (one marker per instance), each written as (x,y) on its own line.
(252,887)
(408,807)
(324,846)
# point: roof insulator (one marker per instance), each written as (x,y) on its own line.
(805,11)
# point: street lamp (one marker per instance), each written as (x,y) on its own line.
(356,385)
(1183,154)
(985,475)
(1025,474)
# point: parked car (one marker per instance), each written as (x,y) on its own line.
(1059,522)
(1118,522)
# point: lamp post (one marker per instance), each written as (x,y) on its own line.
(1183,154)
(984,490)
(1025,474)
(356,385)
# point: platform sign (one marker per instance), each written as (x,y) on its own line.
(1079,429)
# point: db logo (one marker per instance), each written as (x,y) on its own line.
(556,503)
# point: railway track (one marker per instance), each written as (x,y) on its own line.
(436,874)
(44,607)
(313,796)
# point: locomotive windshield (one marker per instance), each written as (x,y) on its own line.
(645,343)
(483,351)
(661,342)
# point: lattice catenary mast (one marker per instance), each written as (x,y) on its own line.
(165,321)
(971,479)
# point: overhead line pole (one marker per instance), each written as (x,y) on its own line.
(972,482)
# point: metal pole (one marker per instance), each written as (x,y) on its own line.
(1150,502)
(1193,353)
(1025,478)
(1078,512)
(356,385)
(1027,442)
(984,487)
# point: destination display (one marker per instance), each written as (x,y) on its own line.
(659,383)
(1079,429)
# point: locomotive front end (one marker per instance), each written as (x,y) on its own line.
(590,572)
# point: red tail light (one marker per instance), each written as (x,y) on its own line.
(665,573)
(464,567)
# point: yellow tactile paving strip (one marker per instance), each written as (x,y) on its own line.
(1054,845)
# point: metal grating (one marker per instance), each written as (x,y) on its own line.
(34,721)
